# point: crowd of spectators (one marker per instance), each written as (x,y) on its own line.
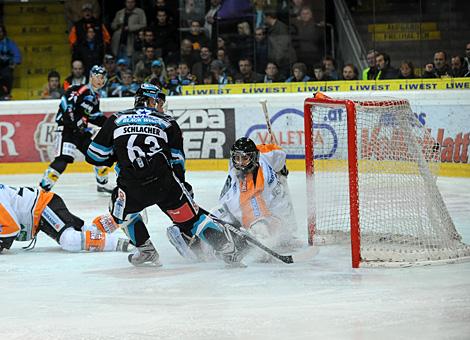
(173,46)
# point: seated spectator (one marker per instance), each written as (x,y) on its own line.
(109,63)
(457,67)
(350,72)
(143,68)
(90,51)
(139,41)
(122,65)
(370,73)
(439,69)
(156,77)
(224,58)
(196,35)
(77,77)
(126,23)
(386,70)
(185,54)
(319,73)
(184,75)
(79,31)
(407,70)
(201,69)
(9,57)
(271,73)
(329,65)
(126,88)
(217,74)
(246,72)
(171,81)
(52,90)
(467,60)
(238,79)
(147,40)
(299,73)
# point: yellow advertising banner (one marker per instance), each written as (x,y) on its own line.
(331,86)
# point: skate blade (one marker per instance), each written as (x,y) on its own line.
(154,264)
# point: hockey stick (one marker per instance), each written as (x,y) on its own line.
(268,121)
(254,241)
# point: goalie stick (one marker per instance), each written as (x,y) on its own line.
(268,121)
(254,241)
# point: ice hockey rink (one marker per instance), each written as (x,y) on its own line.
(50,294)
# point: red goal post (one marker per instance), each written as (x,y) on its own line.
(371,180)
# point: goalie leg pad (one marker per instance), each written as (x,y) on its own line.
(176,239)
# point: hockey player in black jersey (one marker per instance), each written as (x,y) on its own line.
(147,145)
(79,106)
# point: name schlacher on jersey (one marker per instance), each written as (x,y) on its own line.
(140,129)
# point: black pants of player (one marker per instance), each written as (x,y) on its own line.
(168,193)
(65,219)
(81,141)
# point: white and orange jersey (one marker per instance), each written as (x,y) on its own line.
(248,200)
(21,209)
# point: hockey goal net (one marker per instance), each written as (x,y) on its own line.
(371,180)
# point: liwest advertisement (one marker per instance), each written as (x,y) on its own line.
(211,124)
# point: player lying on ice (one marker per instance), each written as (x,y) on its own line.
(255,196)
(147,146)
(24,212)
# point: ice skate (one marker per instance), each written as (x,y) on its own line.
(124,245)
(145,255)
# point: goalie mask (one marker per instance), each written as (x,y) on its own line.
(244,155)
(149,95)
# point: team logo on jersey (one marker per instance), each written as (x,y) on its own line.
(142,119)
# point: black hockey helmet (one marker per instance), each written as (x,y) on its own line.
(244,155)
(147,90)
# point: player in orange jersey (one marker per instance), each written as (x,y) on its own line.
(25,211)
(255,197)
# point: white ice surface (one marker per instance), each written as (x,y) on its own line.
(50,294)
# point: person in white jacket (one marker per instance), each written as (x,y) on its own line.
(255,197)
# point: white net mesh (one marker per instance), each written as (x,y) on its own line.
(402,216)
